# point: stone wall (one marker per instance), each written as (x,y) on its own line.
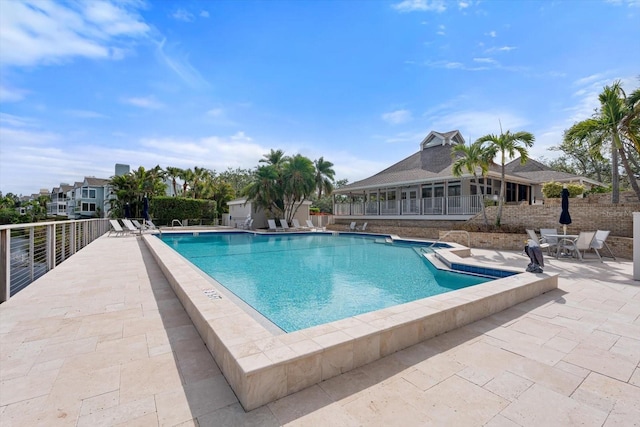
(585,217)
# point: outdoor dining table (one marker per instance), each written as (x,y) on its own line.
(563,240)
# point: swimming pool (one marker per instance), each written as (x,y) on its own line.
(298,281)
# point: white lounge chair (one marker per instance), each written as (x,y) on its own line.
(297,226)
(138,225)
(352,226)
(129,226)
(363,227)
(313,227)
(285,225)
(273,226)
(116,228)
(582,243)
(599,242)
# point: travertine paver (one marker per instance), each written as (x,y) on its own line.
(102,340)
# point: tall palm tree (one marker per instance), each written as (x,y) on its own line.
(508,144)
(186,176)
(174,173)
(470,158)
(200,175)
(298,176)
(324,176)
(616,119)
(274,157)
(264,190)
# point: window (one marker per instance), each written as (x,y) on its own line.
(427,192)
(88,193)
(88,207)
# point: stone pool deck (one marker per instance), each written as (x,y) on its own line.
(103,340)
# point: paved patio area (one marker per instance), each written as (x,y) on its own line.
(103,340)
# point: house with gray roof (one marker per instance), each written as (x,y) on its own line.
(89,198)
(422,186)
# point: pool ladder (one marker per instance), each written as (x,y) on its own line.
(454,231)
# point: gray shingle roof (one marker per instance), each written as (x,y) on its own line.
(436,162)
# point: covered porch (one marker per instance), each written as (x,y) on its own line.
(451,199)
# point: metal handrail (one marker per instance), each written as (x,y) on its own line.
(453,231)
(28,251)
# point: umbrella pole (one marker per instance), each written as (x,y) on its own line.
(564,229)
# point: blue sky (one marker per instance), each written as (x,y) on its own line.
(217,84)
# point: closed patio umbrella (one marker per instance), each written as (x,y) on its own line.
(145,208)
(565,218)
(127,211)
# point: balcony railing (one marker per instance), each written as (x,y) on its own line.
(452,205)
(28,251)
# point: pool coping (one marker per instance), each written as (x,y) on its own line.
(261,366)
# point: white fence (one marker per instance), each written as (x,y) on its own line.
(28,251)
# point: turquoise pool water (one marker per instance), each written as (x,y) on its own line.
(302,280)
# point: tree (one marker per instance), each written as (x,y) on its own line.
(614,122)
(173,174)
(131,188)
(282,185)
(299,181)
(508,144)
(264,191)
(470,158)
(324,175)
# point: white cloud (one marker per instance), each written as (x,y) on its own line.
(85,114)
(629,3)
(220,117)
(589,79)
(500,49)
(492,34)
(204,14)
(421,6)
(441,31)
(43,32)
(179,65)
(182,15)
(148,102)
(463,5)
(8,94)
(397,117)
(474,124)
(485,60)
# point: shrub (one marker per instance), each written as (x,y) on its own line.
(166,209)
(553,190)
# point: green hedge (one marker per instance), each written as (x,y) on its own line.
(163,210)
(552,190)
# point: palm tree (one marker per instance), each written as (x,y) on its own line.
(200,175)
(298,176)
(186,175)
(174,173)
(508,144)
(274,158)
(470,158)
(324,176)
(264,190)
(615,121)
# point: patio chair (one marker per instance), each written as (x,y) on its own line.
(363,227)
(285,225)
(248,225)
(138,225)
(352,226)
(582,243)
(551,240)
(273,226)
(116,228)
(533,236)
(599,242)
(129,226)
(313,227)
(297,226)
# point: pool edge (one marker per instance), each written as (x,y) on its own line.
(262,367)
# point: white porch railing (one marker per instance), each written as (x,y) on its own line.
(28,251)
(453,205)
